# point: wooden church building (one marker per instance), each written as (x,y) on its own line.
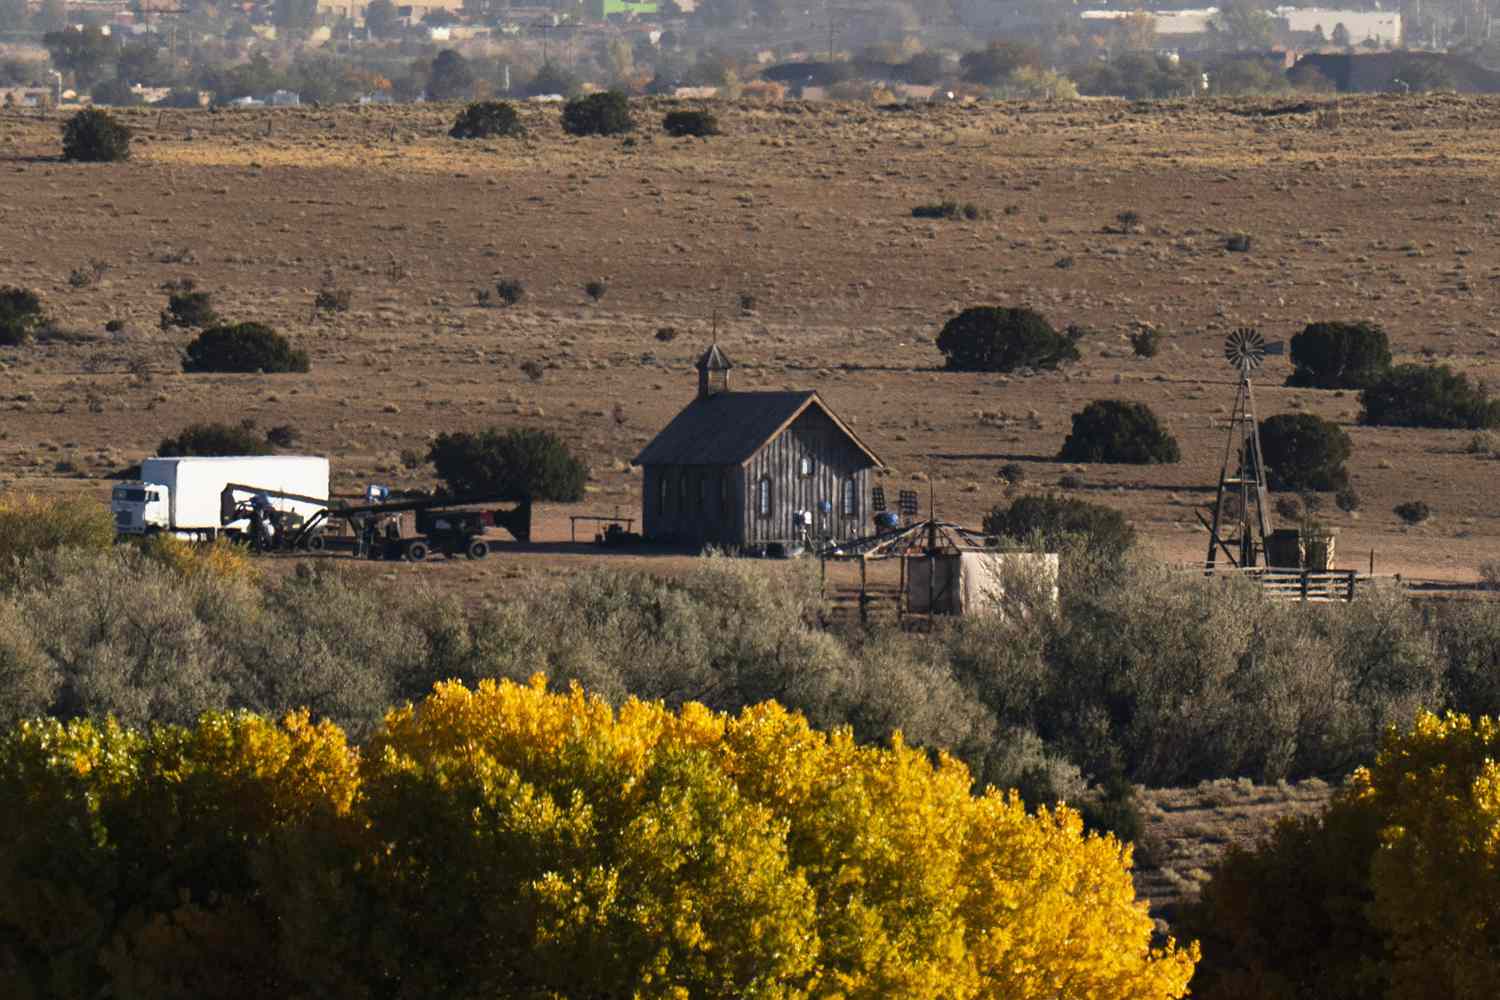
(745,469)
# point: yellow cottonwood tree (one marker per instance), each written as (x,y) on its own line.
(509,841)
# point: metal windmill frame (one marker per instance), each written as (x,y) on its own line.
(1245,480)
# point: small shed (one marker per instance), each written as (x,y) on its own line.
(750,469)
(965,582)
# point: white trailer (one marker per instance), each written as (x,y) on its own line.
(181,495)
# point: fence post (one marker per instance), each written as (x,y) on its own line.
(1305,574)
(1351,585)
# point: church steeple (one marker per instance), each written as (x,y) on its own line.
(713,372)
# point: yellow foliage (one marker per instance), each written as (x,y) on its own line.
(893,878)
(509,841)
(221,559)
(1393,892)
(1436,877)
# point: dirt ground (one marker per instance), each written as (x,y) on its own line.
(795,228)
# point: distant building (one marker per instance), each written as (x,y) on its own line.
(284,99)
(1380,26)
(26,97)
(1168,23)
(745,469)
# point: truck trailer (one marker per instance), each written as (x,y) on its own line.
(181,496)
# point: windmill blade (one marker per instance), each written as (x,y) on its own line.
(1245,349)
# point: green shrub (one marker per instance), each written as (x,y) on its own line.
(1413,511)
(516,464)
(948,209)
(1114,430)
(244,347)
(694,123)
(998,339)
(1146,342)
(1304,452)
(1421,396)
(595,289)
(282,436)
(94,136)
(1347,499)
(485,119)
(1338,355)
(214,439)
(1113,808)
(189,308)
(21,316)
(606,113)
(1058,521)
(510,290)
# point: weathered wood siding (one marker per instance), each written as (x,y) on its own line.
(691,504)
(835,459)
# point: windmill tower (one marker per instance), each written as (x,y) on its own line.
(1239,515)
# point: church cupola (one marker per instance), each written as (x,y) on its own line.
(713,372)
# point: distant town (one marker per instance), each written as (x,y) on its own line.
(188,53)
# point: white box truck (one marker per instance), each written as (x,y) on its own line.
(181,495)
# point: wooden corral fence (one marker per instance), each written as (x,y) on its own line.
(1309,586)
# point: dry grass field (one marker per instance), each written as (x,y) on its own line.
(1186,831)
(804,212)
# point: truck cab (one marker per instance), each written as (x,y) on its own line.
(140,508)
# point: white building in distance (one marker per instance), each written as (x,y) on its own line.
(1381,26)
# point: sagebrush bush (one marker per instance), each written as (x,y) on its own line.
(244,347)
(606,113)
(1116,430)
(1304,452)
(1337,355)
(640,852)
(32,525)
(1468,635)
(487,119)
(998,339)
(94,136)
(213,439)
(1425,396)
(1152,676)
(690,123)
(21,316)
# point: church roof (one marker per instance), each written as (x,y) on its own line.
(729,428)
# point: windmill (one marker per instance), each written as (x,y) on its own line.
(1241,530)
